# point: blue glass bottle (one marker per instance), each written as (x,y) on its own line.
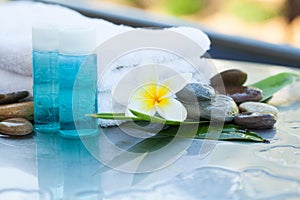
(45,78)
(78,82)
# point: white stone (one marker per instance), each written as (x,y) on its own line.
(259,108)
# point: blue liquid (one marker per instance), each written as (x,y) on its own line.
(78,95)
(45,91)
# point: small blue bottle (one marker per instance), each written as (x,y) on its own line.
(78,82)
(45,40)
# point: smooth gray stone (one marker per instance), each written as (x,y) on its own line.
(13,97)
(16,127)
(258,107)
(233,77)
(255,120)
(220,108)
(194,92)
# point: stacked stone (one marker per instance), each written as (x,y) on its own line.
(226,99)
(16,114)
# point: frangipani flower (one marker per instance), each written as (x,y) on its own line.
(142,91)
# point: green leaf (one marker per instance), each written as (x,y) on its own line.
(188,129)
(273,84)
(159,120)
(113,116)
(233,132)
(229,132)
(141,117)
(151,144)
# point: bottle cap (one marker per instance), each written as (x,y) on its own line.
(45,37)
(80,40)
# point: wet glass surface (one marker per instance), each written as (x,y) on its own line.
(46,166)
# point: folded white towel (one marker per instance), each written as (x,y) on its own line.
(16,19)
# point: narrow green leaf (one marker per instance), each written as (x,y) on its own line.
(113,116)
(141,117)
(273,84)
(159,120)
(148,118)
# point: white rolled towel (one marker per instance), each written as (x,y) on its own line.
(16,20)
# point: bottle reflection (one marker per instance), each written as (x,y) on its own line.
(66,168)
(49,164)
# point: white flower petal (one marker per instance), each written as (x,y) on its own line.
(142,106)
(146,74)
(171,109)
(178,82)
(122,92)
(131,80)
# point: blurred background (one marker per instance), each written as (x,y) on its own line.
(274,21)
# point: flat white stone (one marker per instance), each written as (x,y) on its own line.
(258,108)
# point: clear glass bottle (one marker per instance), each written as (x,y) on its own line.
(78,82)
(45,42)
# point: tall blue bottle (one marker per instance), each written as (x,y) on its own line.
(78,82)
(45,40)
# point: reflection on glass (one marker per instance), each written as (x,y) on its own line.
(66,168)
(49,164)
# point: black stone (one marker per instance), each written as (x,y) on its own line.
(13,97)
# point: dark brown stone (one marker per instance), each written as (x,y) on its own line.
(13,97)
(230,77)
(16,127)
(242,94)
(255,120)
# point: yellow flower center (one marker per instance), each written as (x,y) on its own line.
(152,95)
